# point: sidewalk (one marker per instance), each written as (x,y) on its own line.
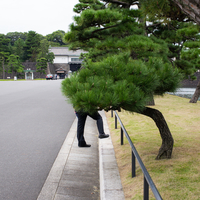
(84,173)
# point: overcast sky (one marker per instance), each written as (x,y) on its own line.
(41,16)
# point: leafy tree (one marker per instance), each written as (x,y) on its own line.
(44,51)
(56,38)
(181,34)
(18,48)
(32,46)
(44,48)
(14,36)
(123,67)
(3,57)
(4,42)
(4,52)
(41,65)
(14,64)
(50,57)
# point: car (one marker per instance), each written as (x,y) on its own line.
(49,76)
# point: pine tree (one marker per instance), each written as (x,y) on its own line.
(41,65)
(181,34)
(32,46)
(123,67)
(15,65)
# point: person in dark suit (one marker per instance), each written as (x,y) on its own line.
(81,124)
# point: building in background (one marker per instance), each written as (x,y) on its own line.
(65,60)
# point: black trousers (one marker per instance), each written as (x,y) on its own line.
(81,124)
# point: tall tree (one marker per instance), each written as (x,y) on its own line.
(18,48)
(32,46)
(44,48)
(3,57)
(181,33)
(14,64)
(41,65)
(4,52)
(123,67)
(14,36)
(56,38)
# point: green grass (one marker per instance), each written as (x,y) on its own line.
(177,178)
(21,79)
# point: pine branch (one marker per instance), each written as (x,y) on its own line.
(124,4)
(102,29)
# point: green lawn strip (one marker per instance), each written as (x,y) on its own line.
(21,79)
(177,178)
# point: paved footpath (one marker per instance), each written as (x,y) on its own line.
(84,173)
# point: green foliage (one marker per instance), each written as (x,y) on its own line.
(15,64)
(31,47)
(41,65)
(56,37)
(18,48)
(123,66)
(14,36)
(4,42)
(119,82)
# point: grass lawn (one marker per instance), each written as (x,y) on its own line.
(177,178)
(22,79)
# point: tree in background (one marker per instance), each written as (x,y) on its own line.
(15,65)
(123,67)
(18,48)
(41,65)
(50,57)
(4,52)
(3,57)
(181,33)
(56,38)
(14,36)
(44,48)
(32,46)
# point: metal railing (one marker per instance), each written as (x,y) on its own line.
(147,179)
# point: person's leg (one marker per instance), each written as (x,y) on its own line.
(96,116)
(80,129)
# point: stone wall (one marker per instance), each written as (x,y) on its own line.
(32,66)
(189,83)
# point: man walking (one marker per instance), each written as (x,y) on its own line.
(81,124)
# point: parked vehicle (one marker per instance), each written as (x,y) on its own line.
(49,76)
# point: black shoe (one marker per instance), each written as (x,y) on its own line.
(86,145)
(101,136)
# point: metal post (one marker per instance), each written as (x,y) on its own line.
(111,113)
(146,189)
(133,165)
(122,137)
(115,122)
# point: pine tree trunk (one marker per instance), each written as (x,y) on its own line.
(166,148)
(151,102)
(191,8)
(196,95)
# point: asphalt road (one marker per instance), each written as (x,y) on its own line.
(34,121)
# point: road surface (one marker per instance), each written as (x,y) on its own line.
(34,121)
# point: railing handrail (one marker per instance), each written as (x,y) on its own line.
(142,166)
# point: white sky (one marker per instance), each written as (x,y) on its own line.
(41,16)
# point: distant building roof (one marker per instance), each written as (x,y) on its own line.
(64,51)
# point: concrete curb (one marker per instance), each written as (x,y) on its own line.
(110,182)
(51,184)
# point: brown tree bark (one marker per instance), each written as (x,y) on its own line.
(191,8)
(196,94)
(166,148)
